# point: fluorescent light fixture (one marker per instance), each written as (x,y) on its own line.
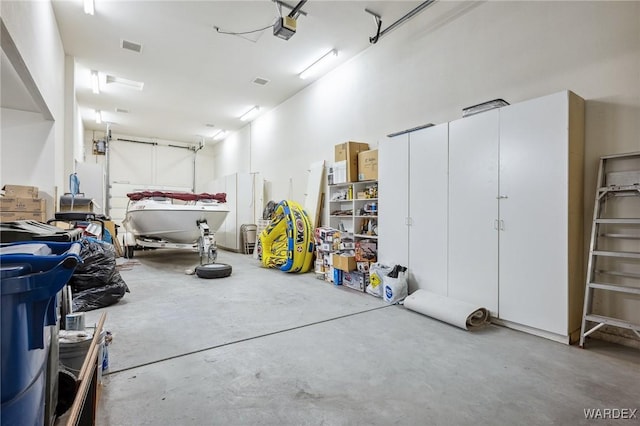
(123,82)
(314,67)
(250,114)
(220,135)
(95,82)
(89,7)
(98,117)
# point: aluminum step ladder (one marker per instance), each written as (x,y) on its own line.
(614,250)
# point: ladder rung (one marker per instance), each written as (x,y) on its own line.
(618,188)
(627,254)
(616,287)
(618,273)
(624,236)
(628,221)
(612,321)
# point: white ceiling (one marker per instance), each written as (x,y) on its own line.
(193,75)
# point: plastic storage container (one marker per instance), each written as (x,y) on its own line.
(31,275)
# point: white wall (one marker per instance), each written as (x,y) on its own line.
(33,28)
(32,138)
(454,55)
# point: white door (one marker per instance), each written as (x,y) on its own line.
(533,244)
(393,181)
(428,194)
(473,210)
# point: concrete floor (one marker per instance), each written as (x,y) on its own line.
(263,347)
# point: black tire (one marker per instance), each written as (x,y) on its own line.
(213,270)
(67,389)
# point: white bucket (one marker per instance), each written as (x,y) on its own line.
(74,346)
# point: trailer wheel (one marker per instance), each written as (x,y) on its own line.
(213,270)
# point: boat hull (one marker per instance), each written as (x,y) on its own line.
(173,223)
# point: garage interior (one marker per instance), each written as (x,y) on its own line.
(263,346)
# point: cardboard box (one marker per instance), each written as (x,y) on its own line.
(13,216)
(343,263)
(368,165)
(325,247)
(76,204)
(14,204)
(348,151)
(20,191)
(366,251)
(355,280)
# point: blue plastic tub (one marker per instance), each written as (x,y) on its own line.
(29,283)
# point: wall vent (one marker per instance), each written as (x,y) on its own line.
(131,45)
(261,81)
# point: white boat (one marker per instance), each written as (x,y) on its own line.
(173,217)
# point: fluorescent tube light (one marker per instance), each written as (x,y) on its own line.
(89,7)
(250,114)
(95,82)
(220,135)
(317,65)
(123,82)
(98,117)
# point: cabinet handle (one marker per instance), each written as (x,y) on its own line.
(495,224)
(502,225)
(502,197)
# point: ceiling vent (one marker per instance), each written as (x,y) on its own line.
(210,125)
(131,45)
(122,110)
(260,81)
(123,82)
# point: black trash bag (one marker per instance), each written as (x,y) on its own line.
(99,297)
(96,283)
(97,267)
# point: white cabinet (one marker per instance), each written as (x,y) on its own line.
(245,199)
(393,191)
(412,168)
(515,213)
(473,210)
(506,186)
(353,208)
(541,168)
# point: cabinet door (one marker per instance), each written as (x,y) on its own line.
(533,245)
(473,210)
(428,194)
(393,176)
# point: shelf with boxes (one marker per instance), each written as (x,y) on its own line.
(355,215)
(342,260)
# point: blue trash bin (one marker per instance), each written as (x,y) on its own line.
(31,274)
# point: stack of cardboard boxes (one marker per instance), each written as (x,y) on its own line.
(19,202)
(343,261)
(354,162)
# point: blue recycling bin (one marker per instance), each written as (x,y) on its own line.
(31,274)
